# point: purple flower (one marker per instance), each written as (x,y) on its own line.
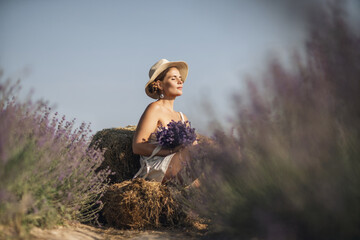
(175,134)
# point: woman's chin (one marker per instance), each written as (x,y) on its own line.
(177,94)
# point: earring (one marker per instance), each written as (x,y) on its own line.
(162,95)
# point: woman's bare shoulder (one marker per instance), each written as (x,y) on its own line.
(149,118)
(153,110)
(153,107)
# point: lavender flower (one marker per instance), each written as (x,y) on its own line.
(175,134)
(43,157)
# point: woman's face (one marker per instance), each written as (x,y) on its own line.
(172,83)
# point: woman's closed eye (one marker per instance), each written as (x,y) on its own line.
(178,78)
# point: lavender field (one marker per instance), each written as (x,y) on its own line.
(48,173)
(288,169)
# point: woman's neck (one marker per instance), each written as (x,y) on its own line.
(167,103)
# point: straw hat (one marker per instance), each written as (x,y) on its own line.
(162,65)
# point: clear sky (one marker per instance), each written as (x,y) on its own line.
(91,58)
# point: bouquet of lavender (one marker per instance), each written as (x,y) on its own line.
(175,134)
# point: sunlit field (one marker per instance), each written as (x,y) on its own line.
(288,169)
(47,172)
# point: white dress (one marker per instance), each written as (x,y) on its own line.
(153,168)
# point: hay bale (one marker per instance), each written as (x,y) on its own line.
(117,146)
(140,204)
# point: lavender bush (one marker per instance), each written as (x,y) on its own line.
(47,171)
(290,167)
(175,134)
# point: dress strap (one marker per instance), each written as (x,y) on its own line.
(182,117)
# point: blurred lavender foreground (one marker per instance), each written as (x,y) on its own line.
(291,167)
(47,172)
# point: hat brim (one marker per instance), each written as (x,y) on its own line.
(180,65)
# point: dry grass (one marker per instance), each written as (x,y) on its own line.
(118,154)
(140,204)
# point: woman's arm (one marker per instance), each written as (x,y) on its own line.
(147,125)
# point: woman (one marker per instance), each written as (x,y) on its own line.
(165,84)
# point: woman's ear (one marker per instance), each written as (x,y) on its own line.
(159,85)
